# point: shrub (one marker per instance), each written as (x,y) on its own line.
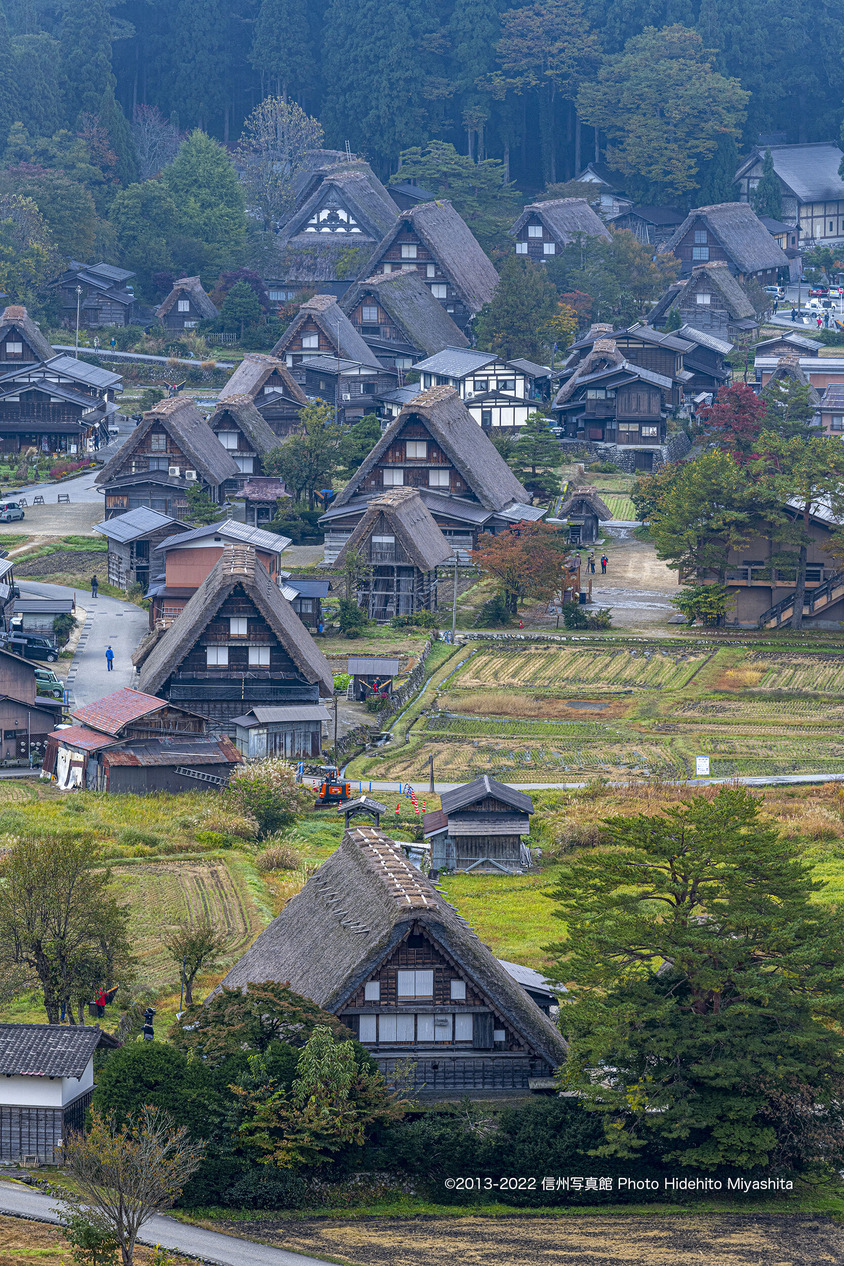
(574,616)
(377,702)
(269,792)
(416,620)
(214,839)
(493,612)
(208,366)
(605,468)
(353,619)
(132,836)
(278,857)
(600,619)
(341,682)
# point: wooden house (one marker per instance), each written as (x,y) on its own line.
(106,298)
(272,389)
(642,345)
(306,595)
(650,225)
(245,435)
(481,827)
(706,361)
(132,538)
(711,300)
(585,511)
(435,446)
(181,563)
(432,238)
(728,233)
(35,616)
(261,495)
(611,199)
(353,389)
(237,643)
(26,718)
(399,318)
(295,731)
(820,371)
(46,1085)
(498,393)
(322,329)
(21,340)
(343,212)
(402,547)
(786,343)
(372,675)
(372,941)
(173,448)
(546,228)
(186,305)
(831,410)
(407,194)
(811,187)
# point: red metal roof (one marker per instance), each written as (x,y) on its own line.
(110,714)
(187,750)
(79,736)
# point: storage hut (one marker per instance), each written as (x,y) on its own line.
(371,675)
(585,511)
(295,731)
(186,305)
(132,538)
(481,827)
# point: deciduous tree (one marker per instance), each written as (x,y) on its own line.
(156,141)
(308,461)
(66,205)
(735,420)
(192,946)
(275,142)
(208,196)
(28,255)
(526,560)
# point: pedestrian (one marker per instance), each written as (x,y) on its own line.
(113,342)
(95,584)
(100,1003)
(794,314)
(826,320)
(604,561)
(819,320)
(592,563)
(96,342)
(110,659)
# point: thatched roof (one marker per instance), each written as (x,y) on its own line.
(241,409)
(789,367)
(717,276)
(237,567)
(403,512)
(350,917)
(190,432)
(404,295)
(455,247)
(455,430)
(564,218)
(604,355)
(592,497)
(189,288)
(741,233)
(327,314)
(251,374)
(352,187)
(16,317)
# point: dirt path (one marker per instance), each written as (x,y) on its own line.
(695,1240)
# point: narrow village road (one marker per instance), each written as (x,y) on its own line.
(421,784)
(209,1246)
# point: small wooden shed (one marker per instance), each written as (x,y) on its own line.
(481,827)
(294,731)
(585,511)
(371,676)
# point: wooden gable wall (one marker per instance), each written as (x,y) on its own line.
(416,470)
(294,347)
(150,446)
(217,633)
(27,354)
(709,249)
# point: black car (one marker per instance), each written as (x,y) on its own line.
(30,646)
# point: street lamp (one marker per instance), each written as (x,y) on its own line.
(78,300)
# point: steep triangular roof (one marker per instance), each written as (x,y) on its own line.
(16,317)
(455,247)
(188,428)
(238,566)
(251,374)
(405,514)
(564,218)
(350,917)
(242,409)
(404,295)
(741,233)
(353,186)
(191,287)
(326,313)
(461,439)
(470,793)
(604,353)
(591,495)
(789,367)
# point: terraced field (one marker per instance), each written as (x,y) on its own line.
(542,667)
(620,505)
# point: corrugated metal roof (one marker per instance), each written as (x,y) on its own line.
(230,531)
(370,666)
(179,750)
(81,736)
(455,362)
(489,824)
(277,716)
(810,171)
(112,712)
(134,523)
(46,606)
(46,1050)
(83,372)
(308,588)
(530,979)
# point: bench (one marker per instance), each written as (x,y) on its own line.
(38,501)
(63,498)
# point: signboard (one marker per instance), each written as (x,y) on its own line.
(701,767)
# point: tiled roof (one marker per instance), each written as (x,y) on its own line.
(46,1050)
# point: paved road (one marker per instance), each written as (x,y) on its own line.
(110,622)
(107,354)
(208,1246)
(80,489)
(421,783)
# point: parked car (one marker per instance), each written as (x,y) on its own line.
(30,646)
(776,291)
(47,683)
(10,511)
(818,292)
(835,292)
(820,305)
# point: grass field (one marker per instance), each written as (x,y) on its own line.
(621,505)
(23,1242)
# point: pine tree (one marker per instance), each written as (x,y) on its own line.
(767,196)
(282,49)
(208,195)
(120,136)
(85,57)
(514,322)
(8,80)
(717,176)
(40,103)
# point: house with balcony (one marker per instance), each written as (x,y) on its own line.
(350,387)
(729,233)
(321,331)
(544,229)
(371,940)
(186,305)
(399,318)
(271,387)
(811,187)
(640,344)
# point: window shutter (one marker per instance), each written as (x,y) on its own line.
(482,1031)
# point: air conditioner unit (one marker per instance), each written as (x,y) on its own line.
(174,470)
(190,475)
(347,395)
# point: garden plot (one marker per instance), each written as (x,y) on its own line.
(821,673)
(621,506)
(560,667)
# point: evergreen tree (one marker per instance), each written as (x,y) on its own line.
(8,80)
(240,307)
(85,57)
(209,201)
(201,57)
(144,218)
(119,132)
(473,30)
(514,322)
(282,49)
(717,176)
(535,456)
(480,191)
(67,206)
(766,198)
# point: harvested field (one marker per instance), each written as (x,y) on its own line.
(583,1240)
(550,667)
(36,1242)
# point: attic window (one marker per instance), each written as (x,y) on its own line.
(408,251)
(458,991)
(700,252)
(238,626)
(183,305)
(310,340)
(228,439)
(14,349)
(700,236)
(439,290)
(157,441)
(417,449)
(438,478)
(392,478)
(703,298)
(416,984)
(521,248)
(369,312)
(372,991)
(534,230)
(430,270)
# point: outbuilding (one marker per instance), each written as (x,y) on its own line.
(294,731)
(480,827)
(372,675)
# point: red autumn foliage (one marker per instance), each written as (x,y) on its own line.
(736,420)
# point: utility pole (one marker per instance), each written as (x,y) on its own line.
(431,766)
(454,602)
(78,300)
(336,754)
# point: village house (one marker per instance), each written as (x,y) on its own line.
(711,300)
(372,674)
(650,225)
(544,229)
(729,233)
(181,563)
(21,340)
(641,345)
(343,211)
(186,305)
(100,293)
(133,743)
(306,595)
(831,411)
(706,361)
(787,343)
(584,511)
(820,371)
(788,372)
(372,941)
(321,331)
(432,238)
(496,392)
(46,1085)
(399,318)
(172,449)
(245,435)
(811,187)
(132,537)
(295,731)
(402,548)
(261,495)
(435,446)
(238,643)
(353,389)
(481,828)
(612,200)
(272,389)
(26,718)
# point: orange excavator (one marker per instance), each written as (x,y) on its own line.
(333,789)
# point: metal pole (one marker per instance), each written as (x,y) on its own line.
(182,993)
(336,761)
(431,765)
(454,602)
(78,299)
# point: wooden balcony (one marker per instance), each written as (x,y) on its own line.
(778,577)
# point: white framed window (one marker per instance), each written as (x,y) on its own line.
(424,1028)
(439,478)
(416,984)
(259,656)
(395,1028)
(700,252)
(245,464)
(704,299)
(157,441)
(836,422)
(650,432)
(228,439)
(392,478)
(372,991)
(521,248)
(458,991)
(439,290)
(387,268)
(430,270)
(369,312)
(408,251)
(310,341)
(191,325)
(443,1028)
(238,626)
(464,1028)
(278,296)
(549,248)
(481,384)
(499,1035)
(417,449)
(183,305)
(14,349)
(216,656)
(508,385)
(368,1028)
(534,230)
